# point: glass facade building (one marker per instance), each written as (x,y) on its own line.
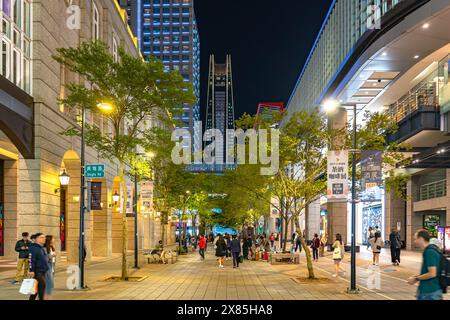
(167,30)
(347,22)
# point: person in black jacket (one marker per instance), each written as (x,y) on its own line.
(221,248)
(39,264)
(396,246)
(22,262)
(235,246)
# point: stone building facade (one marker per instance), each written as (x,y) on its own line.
(32,199)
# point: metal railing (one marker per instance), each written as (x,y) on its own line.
(433,190)
(424,95)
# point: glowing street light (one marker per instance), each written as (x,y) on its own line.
(105,106)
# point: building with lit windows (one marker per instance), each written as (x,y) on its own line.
(387,56)
(167,30)
(34,155)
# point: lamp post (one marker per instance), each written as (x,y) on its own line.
(330,106)
(81,251)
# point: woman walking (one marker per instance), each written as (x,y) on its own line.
(221,250)
(315,245)
(338,254)
(376,243)
(50,274)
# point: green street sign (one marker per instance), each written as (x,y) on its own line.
(95,171)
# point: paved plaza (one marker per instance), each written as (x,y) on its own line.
(192,279)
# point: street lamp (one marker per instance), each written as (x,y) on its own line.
(115,197)
(329,106)
(105,106)
(64,179)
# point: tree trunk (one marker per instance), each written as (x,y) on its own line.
(124,275)
(285,238)
(309,264)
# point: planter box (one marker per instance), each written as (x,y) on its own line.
(280,258)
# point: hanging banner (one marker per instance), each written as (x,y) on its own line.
(371,169)
(371,176)
(96,196)
(130,199)
(337,175)
(146,196)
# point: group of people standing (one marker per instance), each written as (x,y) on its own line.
(375,242)
(37,259)
(227,246)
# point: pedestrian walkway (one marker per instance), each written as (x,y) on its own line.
(191,278)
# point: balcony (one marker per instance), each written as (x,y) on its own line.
(416,111)
(432,190)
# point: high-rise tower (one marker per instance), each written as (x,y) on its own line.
(220,102)
(167,30)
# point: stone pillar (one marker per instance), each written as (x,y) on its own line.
(313,219)
(395,212)
(101,230)
(12,229)
(409,216)
(337,211)
(337,220)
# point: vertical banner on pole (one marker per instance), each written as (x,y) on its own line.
(337,175)
(130,200)
(146,196)
(371,175)
(96,195)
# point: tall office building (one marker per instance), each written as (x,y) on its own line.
(167,30)
(220,105)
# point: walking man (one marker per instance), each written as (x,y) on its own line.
(396,246)
(235,250)
(39,264)
(22,262)
(202,246)
(429,287)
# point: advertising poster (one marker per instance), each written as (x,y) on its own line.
(337,175)
(130,200)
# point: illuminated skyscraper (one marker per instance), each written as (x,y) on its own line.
(220,104)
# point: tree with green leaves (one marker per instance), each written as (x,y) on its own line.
(136,90)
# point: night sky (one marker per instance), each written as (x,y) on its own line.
(269,41)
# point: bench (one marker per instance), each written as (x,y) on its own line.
(164,257)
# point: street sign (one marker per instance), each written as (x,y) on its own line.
(95,171)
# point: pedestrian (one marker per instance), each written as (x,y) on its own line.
(250,247)
(315,245)
(298,244)
(202,247)
(272,241)
(396,246)
(338,253)
(376,243)
(38,264)
(50,274)
(245,248)
(228,243)
(369,236)
(429,286)
(235,246)
(221,249)
(22,262)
